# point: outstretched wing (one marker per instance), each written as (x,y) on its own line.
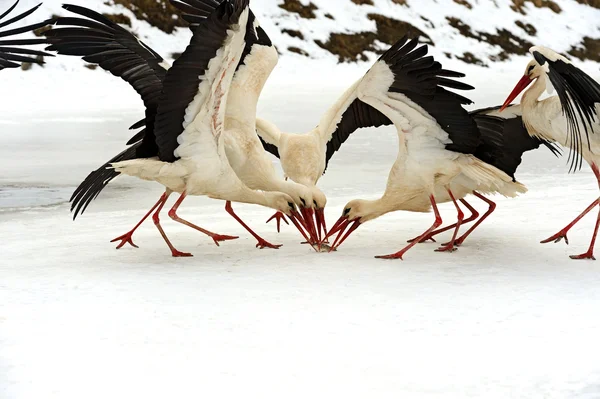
(100,41)
(411,73)
(196,82)
(11,51)
(579,95)
(504,138)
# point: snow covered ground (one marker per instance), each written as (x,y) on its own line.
(503,317)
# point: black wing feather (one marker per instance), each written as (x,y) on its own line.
(505,140)
(578,94)
(358,115)
(100,41)
(422,80)
(270,148)
(11,57)
(181,83)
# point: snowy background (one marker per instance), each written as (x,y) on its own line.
(503,317)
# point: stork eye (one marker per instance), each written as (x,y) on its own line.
(346,211)
(291,204)
(315,203)
(303,202)
(530,69)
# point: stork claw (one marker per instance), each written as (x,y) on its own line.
(262,244)
(278,216)
(423,240)
(126,238)
(179,254)
(587,255)
(447,247)
(220,237)
(558,237)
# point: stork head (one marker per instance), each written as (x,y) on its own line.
(281,202)
(304,198)
(532,72)
(352,217)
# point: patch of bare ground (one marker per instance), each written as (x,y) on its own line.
(158,13)
(464,3)
(121,19)
(354,46)
(528,28)
(588,49)
(591,3)
(519,5)
(503,38)
(470,58)
(296,7)
(297,51)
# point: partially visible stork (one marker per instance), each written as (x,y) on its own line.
(12,52)
(571,118)
(444,153)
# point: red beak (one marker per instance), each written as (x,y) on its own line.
(522,85)
(341,225)
(321,226)
(309,223)
(296,219)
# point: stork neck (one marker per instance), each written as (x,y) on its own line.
(372,209)
(531,96)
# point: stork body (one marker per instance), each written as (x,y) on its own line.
(444,152)
(571,118)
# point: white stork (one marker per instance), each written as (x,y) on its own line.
(183,144)
(101,41)
(12,54)
(571,118)
(444,153)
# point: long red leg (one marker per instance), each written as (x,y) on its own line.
(449,247)
(156,220)
(590,252)
(491,209)
(437,223)
(216,237)
(127,237)
(262,243)
(563,233)
(474,216)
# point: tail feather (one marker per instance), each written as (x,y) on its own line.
(95,182)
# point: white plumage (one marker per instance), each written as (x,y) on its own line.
(570,118)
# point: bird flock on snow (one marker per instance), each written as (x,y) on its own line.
(200,134)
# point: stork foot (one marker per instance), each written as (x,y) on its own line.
(397,255)
(558,237)
(447,247)
(125,239)
(428,238)
(278,216)
(220,237)
(262,244)
(457,243)
(179,254)
(587,255)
